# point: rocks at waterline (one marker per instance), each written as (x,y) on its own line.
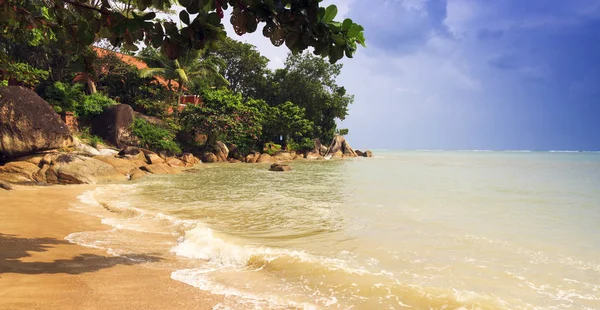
(366,153)
(28,124)
(265,158)
(6,186)
(280,167)
(209,157)
(114,124)
(339,144)
(221,152)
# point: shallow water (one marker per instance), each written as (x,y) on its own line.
(427,230)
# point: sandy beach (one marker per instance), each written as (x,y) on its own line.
(39,269)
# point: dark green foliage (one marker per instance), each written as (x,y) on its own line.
(271,148)
(93,105)
(72,98)
(343,131)
(224,116)
(304,144)
(298,24)
(155,137)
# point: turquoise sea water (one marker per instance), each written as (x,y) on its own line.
(418,229)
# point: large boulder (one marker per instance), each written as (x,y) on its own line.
(189,159)
(265,158)
(113,125)
(18,172)
(122,165)
(368,154)
(28,124)
(77,169)
(209,157)
(234,151)
(252,158)
(280,167)
(319,147)
(6,186)
(284,156)
(160,169)
(84,149)
(339,144)
(222,152)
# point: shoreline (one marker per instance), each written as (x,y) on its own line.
(39,269)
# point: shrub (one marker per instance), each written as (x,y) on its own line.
(306,144)
(65,96)
(155,137)
(57,109)
(89,138)
(271,148)
(93,105)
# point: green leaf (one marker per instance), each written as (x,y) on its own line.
(185,17)
(330,13)
(355,29)
(347,24)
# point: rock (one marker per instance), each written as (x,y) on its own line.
(77,169)
(137,174)
(209,157)
(124,166)
(312,155)
(299,156)
(368,154)
(108,152)
(113,125)
(134,155)
(222,151)
(18,172)
(337,154)
(159,169)
(252,158)
(28,124)
(150,119)
(189,160)
(35,159)
(234,161)
(234,152)
(283,156)
(340,144)
(153,158)
(319,147)
(280,167)
(84,149)
(265,158)
(174,162)
(358,153)
(6,186)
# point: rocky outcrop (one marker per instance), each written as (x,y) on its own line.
(113,125)
(358,152)
(234,151)
(84,149)
(319,147)
(312,155)
(252,158)
(123,166)
(265,158)
(153,158)
(368,154)
(159,169)
(28,124)
(18,172)
(221,152)
(339,144)
(6,186)
(280,167)
(189,160)
(209,157)
(174,162)
(77,169)
(284,156)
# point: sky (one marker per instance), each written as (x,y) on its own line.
(470,74)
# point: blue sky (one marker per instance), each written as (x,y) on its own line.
(471,74)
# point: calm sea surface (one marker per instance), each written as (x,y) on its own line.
(421,230)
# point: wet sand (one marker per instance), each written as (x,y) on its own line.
(39,269)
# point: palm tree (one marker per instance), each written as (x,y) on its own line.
(187,68)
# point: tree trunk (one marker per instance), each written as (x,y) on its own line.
(90,84)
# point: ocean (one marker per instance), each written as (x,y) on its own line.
(404,229)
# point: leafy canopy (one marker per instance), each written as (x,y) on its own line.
(297,23)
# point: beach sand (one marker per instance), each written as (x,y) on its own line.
(39,269)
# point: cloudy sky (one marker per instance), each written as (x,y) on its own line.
(471,74)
